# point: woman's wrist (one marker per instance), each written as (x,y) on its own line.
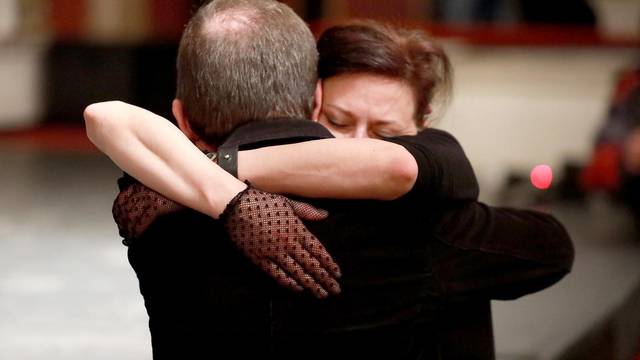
(222,189)
(221,197)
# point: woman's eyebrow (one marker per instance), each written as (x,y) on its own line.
(339,109)
(350,114)
(384,122)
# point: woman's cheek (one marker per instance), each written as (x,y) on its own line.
(338,133)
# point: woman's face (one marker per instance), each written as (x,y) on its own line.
(366,106)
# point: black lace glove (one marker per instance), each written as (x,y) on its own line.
(268,229)
(281,245)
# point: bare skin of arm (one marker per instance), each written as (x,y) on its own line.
(332,168)
(159,155)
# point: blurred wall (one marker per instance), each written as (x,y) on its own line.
(21,66)
(514,108)
(21,85)
(618,17)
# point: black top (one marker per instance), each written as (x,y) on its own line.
(403,262)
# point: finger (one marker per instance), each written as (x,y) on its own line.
(318,251)
(308,212)
(300,275)
(278,274)
(313,267)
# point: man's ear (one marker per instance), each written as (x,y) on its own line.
(317,102)
(182,120)
(185,126)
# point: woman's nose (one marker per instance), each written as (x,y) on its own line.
(360,132)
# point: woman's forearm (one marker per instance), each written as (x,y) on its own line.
(331,168)
(155,152)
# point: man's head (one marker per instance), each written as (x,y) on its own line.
(243,60)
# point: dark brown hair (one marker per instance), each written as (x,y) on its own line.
(379,49)
(244,60)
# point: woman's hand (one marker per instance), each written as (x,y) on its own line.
(268,229)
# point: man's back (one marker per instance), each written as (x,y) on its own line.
(203,296)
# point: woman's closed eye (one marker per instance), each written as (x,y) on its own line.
(333,121)
(387,133)
(384,133)
(393,128)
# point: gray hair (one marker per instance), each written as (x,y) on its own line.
(244,60)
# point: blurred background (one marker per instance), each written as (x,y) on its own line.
(536,82)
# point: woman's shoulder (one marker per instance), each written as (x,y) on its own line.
(428,137)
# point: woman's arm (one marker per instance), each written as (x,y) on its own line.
(444,171)
(331,168)
(155,152)
(159,155)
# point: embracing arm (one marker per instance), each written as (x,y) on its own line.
(157,153)
(294,261)
(331,168)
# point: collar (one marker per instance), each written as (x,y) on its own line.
(275,131)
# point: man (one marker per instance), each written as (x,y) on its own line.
(204,299)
